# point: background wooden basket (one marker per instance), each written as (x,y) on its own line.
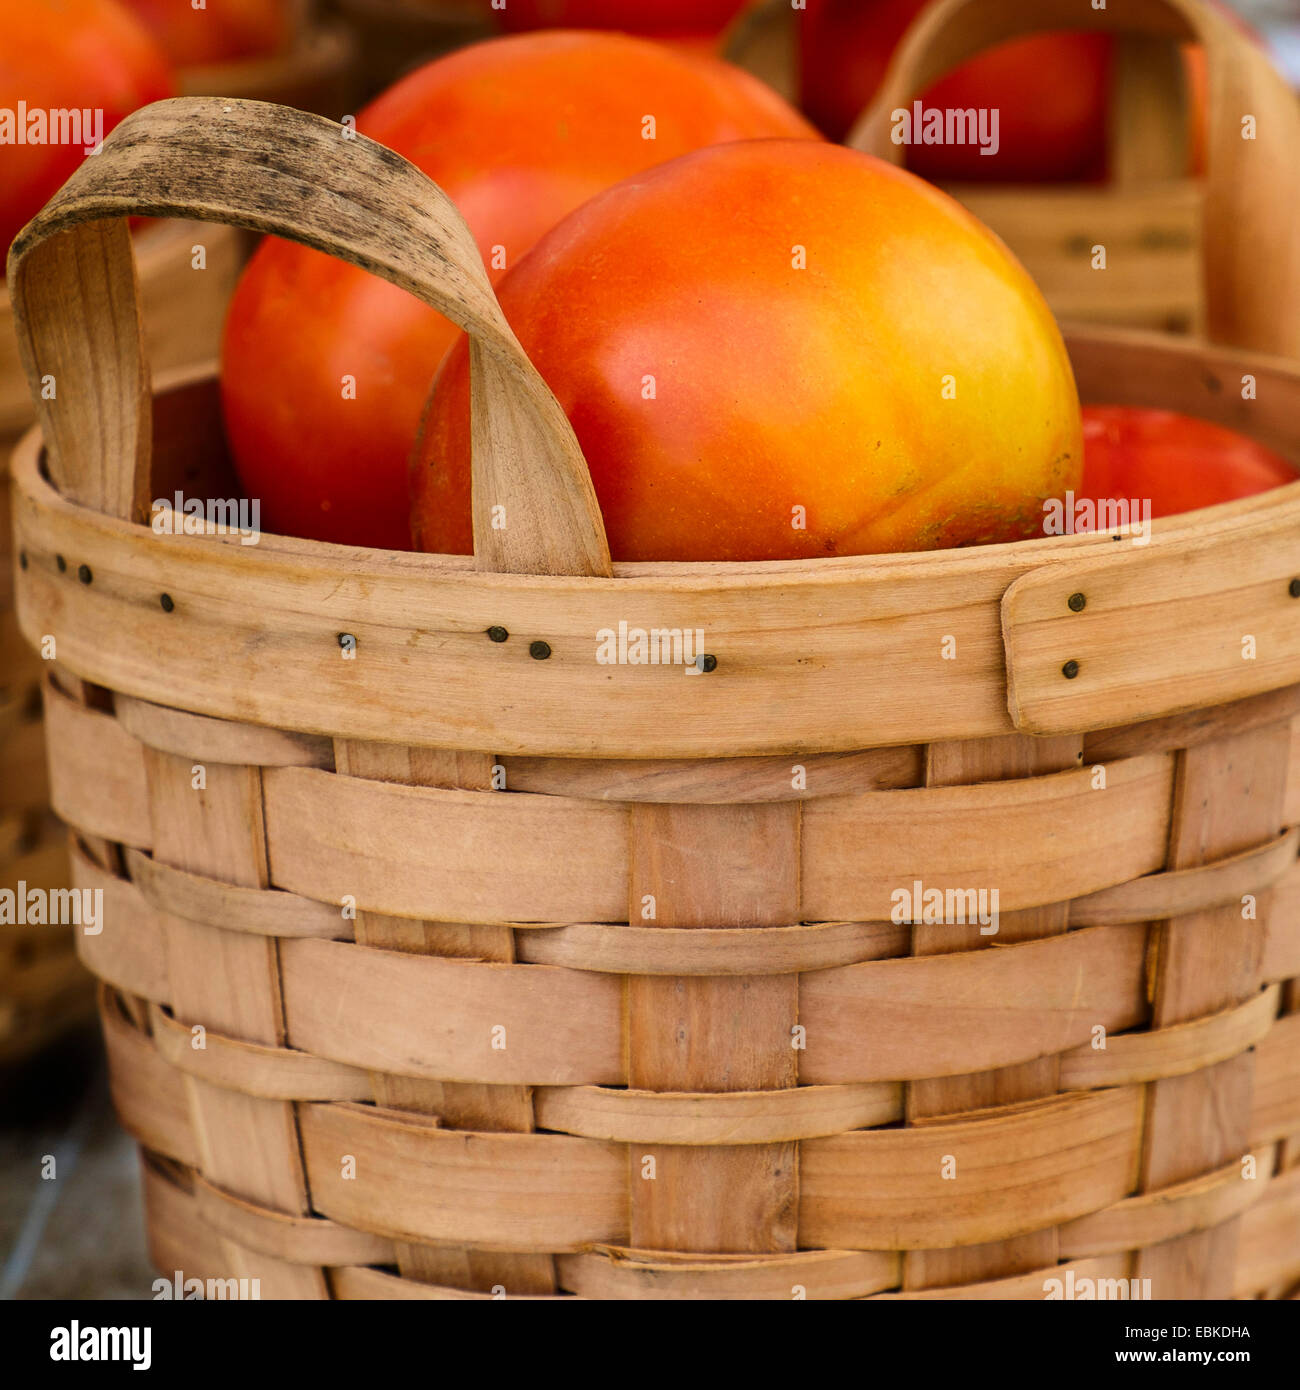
(500,1071)
(393,36)
(319,73)
(42,988)
(1149,213)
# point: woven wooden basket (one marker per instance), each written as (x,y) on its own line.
(474,965)
(318,73)
(1148,215)
(42,987)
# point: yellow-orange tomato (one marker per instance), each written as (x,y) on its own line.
(518,132)
(223,31)
(778,350)
(64,56)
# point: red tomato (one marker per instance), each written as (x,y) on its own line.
(1050,90)
(1176,462)
(222,32)
(64,56)
(631,16)
(519,132)
(907,390)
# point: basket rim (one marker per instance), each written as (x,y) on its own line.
(832,655)
(27,464)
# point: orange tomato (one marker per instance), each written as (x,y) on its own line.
(781,350)
(518,131)
(65,56)
(222,32)
(1176,462)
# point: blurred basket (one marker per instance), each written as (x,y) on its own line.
(394,36)
(42,987)
(318,73)
(1148,214)
(461,970)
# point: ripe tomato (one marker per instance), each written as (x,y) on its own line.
(518,131)
(221,32)
(1050,90)
(631,16)
(907,390)
(1176,462)
(65,55)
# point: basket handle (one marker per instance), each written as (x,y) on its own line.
(1251,237)
(276,170)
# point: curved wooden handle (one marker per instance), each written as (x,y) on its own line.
(1251,236)
(277,170)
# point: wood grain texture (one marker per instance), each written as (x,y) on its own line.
(457,1104)
(698,866)
(1124,665)
(1229,797)
(230,981)
(972,763)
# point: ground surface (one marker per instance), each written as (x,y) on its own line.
(79,1234)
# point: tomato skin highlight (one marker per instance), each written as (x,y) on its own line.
(1177,462)
(1051,91)
(67,55)
(518,132)
(715,387)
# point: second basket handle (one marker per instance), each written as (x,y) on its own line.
(1251,231)
(280,171)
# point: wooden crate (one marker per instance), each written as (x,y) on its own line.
(1147,215)
(384,1002)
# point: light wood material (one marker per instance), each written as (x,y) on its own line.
(691,867)
(407,956)
(1229,793)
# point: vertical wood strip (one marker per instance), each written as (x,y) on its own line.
(461,1105)
(230,981)
(713,866)
(965,763)
(1228,797)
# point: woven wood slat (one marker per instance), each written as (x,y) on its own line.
(719,781)
(464,1106)
(1155,1217)
(964,764)
(248,1144)
(691,867)
(218,740)
(1229,794)
(857,1013)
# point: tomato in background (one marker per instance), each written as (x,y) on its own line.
(222,32)
(777,386)
(65,55)
(1176,461)
(518,132)
(1051,91)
